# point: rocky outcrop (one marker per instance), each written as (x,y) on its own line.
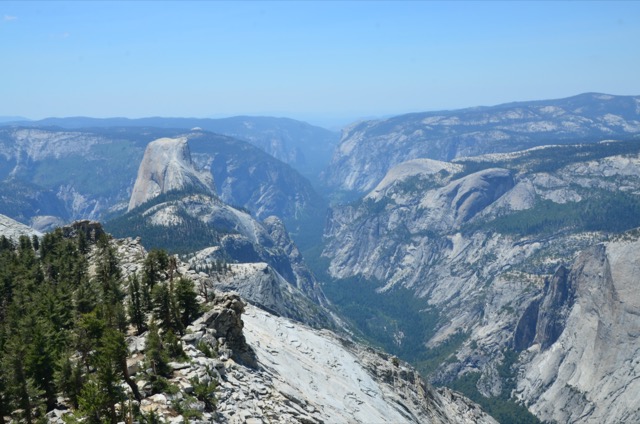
(333,380)
(167,166)
(91,230)
(223,324)
(526,329)
(544,319)
(298,375)
(558,299)
(261,285)
(464,198)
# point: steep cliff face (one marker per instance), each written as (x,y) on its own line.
(166,166)
(589,372)
(488,247)
(248,177)
(368,150)
(60,175)
(544,319)
(558,299)
(404,221)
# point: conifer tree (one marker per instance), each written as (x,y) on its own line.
(165,309)
(69,379)
(186,299)
(35,241)
(21,389)
(156,358)
(108,277)
(40,360)
(135,307)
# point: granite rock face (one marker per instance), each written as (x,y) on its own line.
(262,285)
(13,229)
(558,298)
(589,373)
(491,243)
(268,368)
(167,166)
(335,380)
(50,176)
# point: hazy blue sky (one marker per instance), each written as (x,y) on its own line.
(316,61)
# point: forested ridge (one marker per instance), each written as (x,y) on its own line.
(65,313)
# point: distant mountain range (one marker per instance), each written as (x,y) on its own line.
(369,149)
(51,176)
(305,147)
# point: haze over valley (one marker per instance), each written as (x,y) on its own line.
(358,212)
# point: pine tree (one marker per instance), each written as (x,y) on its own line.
(5,244)
(40,360)
(135,307)
(152,273)
(186,298)
(21,390)
(156,262)
(88,331)
(156,358)
(69,379)
(93,403)
(172,346)
(35,241)
(86,297)
(108,277)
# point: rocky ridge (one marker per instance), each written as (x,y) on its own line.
(13,229)
(305,147)
(367,150)
(271,369)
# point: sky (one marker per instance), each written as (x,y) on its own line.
(325,62)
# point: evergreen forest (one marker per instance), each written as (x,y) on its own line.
(66,311)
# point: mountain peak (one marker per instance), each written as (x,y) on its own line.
(167,166)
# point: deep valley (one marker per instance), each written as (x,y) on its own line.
(459,266)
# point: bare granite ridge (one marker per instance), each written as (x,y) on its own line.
(13,229)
